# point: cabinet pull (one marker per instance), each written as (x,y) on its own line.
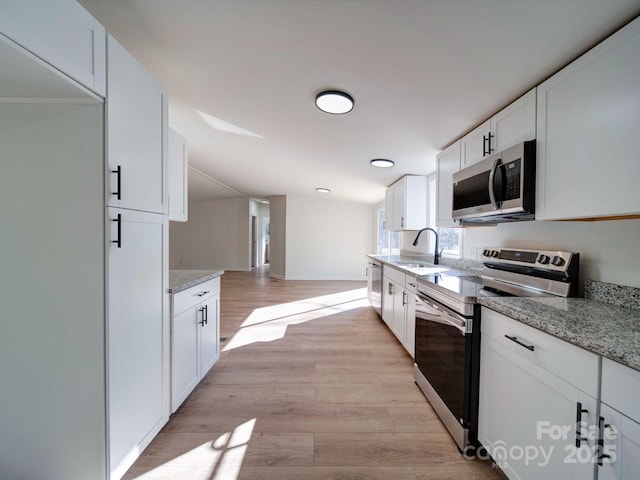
(118,172)
(404,298)
(412,285)
(600,450)
(390,288)
(401,222)
(579,412)
(484,146)
(206,314)
(490,149)
(118,241)
(202,294)
(203,321)
(515,339)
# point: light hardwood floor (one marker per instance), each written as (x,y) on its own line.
(310,385)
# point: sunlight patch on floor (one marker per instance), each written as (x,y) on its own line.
(270,323)
(220,459)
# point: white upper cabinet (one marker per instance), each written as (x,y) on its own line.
(474,145)
(587,133)
(61,33)
(178,177)
(510,126)
(406,203)
(448,163)
(137,142)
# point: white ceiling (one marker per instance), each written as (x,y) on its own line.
(422,72)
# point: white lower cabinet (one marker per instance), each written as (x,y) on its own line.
(399,306)
(137,332)
(195,337)
(619,423)
(533,388)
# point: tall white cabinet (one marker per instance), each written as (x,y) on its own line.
(84,330)
(138,335)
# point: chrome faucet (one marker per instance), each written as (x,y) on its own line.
(436,254)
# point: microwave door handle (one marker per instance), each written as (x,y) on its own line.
(492,176)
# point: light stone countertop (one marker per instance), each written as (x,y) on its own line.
(180,280)
(603,328)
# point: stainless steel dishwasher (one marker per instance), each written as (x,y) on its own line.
(374,285)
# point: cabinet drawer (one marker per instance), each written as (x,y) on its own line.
(572,364)
(395,275)
(621,388)
(194,295)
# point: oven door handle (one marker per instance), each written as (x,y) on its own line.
(464,325)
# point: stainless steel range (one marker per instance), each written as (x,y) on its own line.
(447,353)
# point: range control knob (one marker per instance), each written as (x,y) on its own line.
(494,253)
(558,261)
(544,259)
(486,253)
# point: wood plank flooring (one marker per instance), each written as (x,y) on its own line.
(310,385)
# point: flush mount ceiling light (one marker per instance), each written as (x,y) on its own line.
(382,163)
(323,190)
(334,102)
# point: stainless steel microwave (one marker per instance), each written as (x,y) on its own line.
(498,189)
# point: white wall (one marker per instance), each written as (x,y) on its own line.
(217,235)
(326,239)
(608,249)
(278,247)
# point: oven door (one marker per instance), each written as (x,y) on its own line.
(443,355)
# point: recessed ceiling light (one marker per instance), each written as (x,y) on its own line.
(323,190)
(382,163)
(335,102)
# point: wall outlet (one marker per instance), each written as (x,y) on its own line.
(472,253)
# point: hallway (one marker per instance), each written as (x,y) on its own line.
(310,385)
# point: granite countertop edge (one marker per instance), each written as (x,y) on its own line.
(453,266)
(602,328)
(180,280)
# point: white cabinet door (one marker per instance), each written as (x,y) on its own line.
(209,334)
(137,332)
(410,320)
(474,145)
(388,293)
(392,209)
(514,124)
(587,133)
(621,442)
(406,204)
(61,33)
(525,408)
(448,163)
(136,135)
(184,355)
(178,177)
(399,302)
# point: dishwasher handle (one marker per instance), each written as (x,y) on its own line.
(444,314)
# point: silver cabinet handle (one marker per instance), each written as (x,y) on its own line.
(202,294)
(390,288)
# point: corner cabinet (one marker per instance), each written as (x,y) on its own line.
(195,337)
(178,177)
(137,134)
(587,133)
(448,163)
(538,394)
(406,204)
